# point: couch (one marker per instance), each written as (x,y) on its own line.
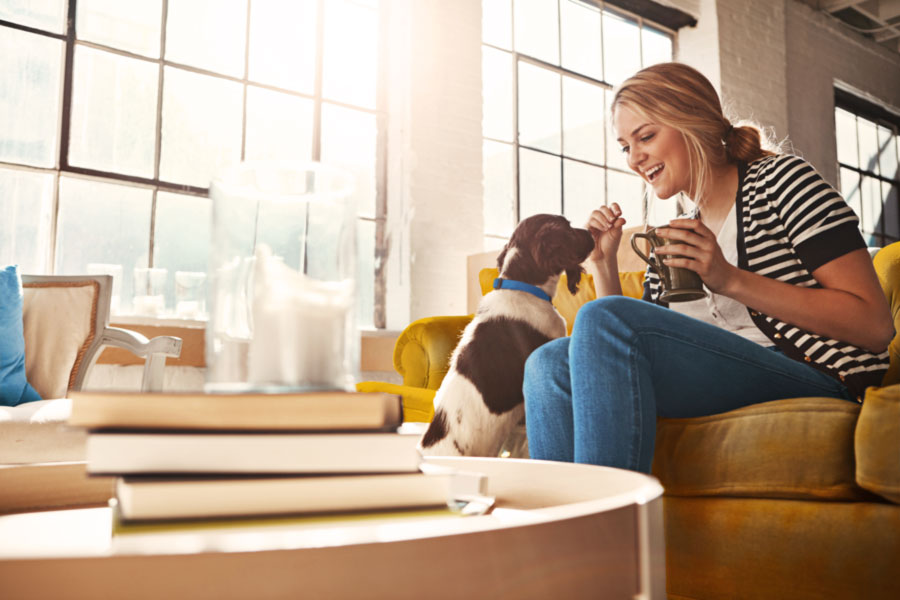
(796,498)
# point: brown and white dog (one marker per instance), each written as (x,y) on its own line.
(480,400)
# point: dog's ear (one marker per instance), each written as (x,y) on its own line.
(573,278)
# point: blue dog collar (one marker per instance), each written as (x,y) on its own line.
(512,284)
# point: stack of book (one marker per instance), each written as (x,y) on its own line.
(198,456)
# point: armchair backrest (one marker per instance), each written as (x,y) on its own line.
(62,318)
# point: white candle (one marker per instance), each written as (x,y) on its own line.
(300,329)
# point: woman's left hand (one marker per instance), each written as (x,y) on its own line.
(695,248)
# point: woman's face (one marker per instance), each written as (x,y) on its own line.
(657,153)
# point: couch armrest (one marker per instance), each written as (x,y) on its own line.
(155,351)
(422,352)
(877,442)
(418,403)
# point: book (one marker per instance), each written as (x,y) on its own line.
(148,498)
(41,486)
(133,452)
(188,536)
(239,412)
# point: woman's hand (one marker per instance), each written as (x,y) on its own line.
(697,249)
(605,225)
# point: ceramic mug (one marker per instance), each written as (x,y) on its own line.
(679,284)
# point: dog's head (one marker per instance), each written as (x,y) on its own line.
(543,246)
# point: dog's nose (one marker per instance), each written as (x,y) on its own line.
(584,242)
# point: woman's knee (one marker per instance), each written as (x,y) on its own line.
(606,310)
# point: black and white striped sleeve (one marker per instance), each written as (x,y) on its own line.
(819,222)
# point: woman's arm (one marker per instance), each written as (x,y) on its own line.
(605,225)
(850,306)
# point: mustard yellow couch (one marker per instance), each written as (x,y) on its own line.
(797,498)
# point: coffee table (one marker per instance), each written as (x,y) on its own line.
(558,530)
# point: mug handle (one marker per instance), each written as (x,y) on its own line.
(643,256)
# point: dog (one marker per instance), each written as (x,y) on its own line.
(480,400)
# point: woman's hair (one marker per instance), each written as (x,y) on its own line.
(679,96)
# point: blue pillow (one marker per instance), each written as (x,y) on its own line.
(14,389)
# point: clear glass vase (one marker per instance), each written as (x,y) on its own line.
(282,280)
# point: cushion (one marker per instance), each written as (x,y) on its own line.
(14,387)
(887,265)
(59,326)
(878,442)
(800,448)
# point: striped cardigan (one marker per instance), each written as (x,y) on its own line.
(791,223)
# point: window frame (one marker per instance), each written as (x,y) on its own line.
(156,184)
(517,58)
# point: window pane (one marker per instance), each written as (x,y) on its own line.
(208,34)
(540,188)
(539,108)
(365,278)
(845,130)
(583,125)
(628,191)
(29,97)
(116,220)
(349,140)
(582,42)
(621,48)
(496,23)
(350,53)
(497,82)
(283,43)
(201,126)
(887,159)
(26,201)
(132,26)
(868,145)
(614,155)
(656,46)
(584,189)
(851,192)
(871,205)
(181,242)
(279,126)
(499,188)
(113,113)
(890,211)
(49,15)
(537,29)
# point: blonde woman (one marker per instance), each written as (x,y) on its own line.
(794,305)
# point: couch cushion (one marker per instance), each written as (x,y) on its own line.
(14,388)
(878,442)
(59,328)
(797,448)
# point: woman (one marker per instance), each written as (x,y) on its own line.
(794,306)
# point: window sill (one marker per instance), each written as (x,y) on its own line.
(376,345)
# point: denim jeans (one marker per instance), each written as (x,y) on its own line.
(594,397)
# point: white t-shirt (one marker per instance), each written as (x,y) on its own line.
(719,310)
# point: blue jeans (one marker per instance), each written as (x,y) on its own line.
(594,397)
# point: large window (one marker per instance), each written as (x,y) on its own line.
(549,67)
(114,117)
(867,153)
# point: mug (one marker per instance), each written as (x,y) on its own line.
(679,284)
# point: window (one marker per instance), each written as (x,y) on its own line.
(867,154)
(114,122)
(548,68)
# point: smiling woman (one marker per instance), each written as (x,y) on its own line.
(125,111)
